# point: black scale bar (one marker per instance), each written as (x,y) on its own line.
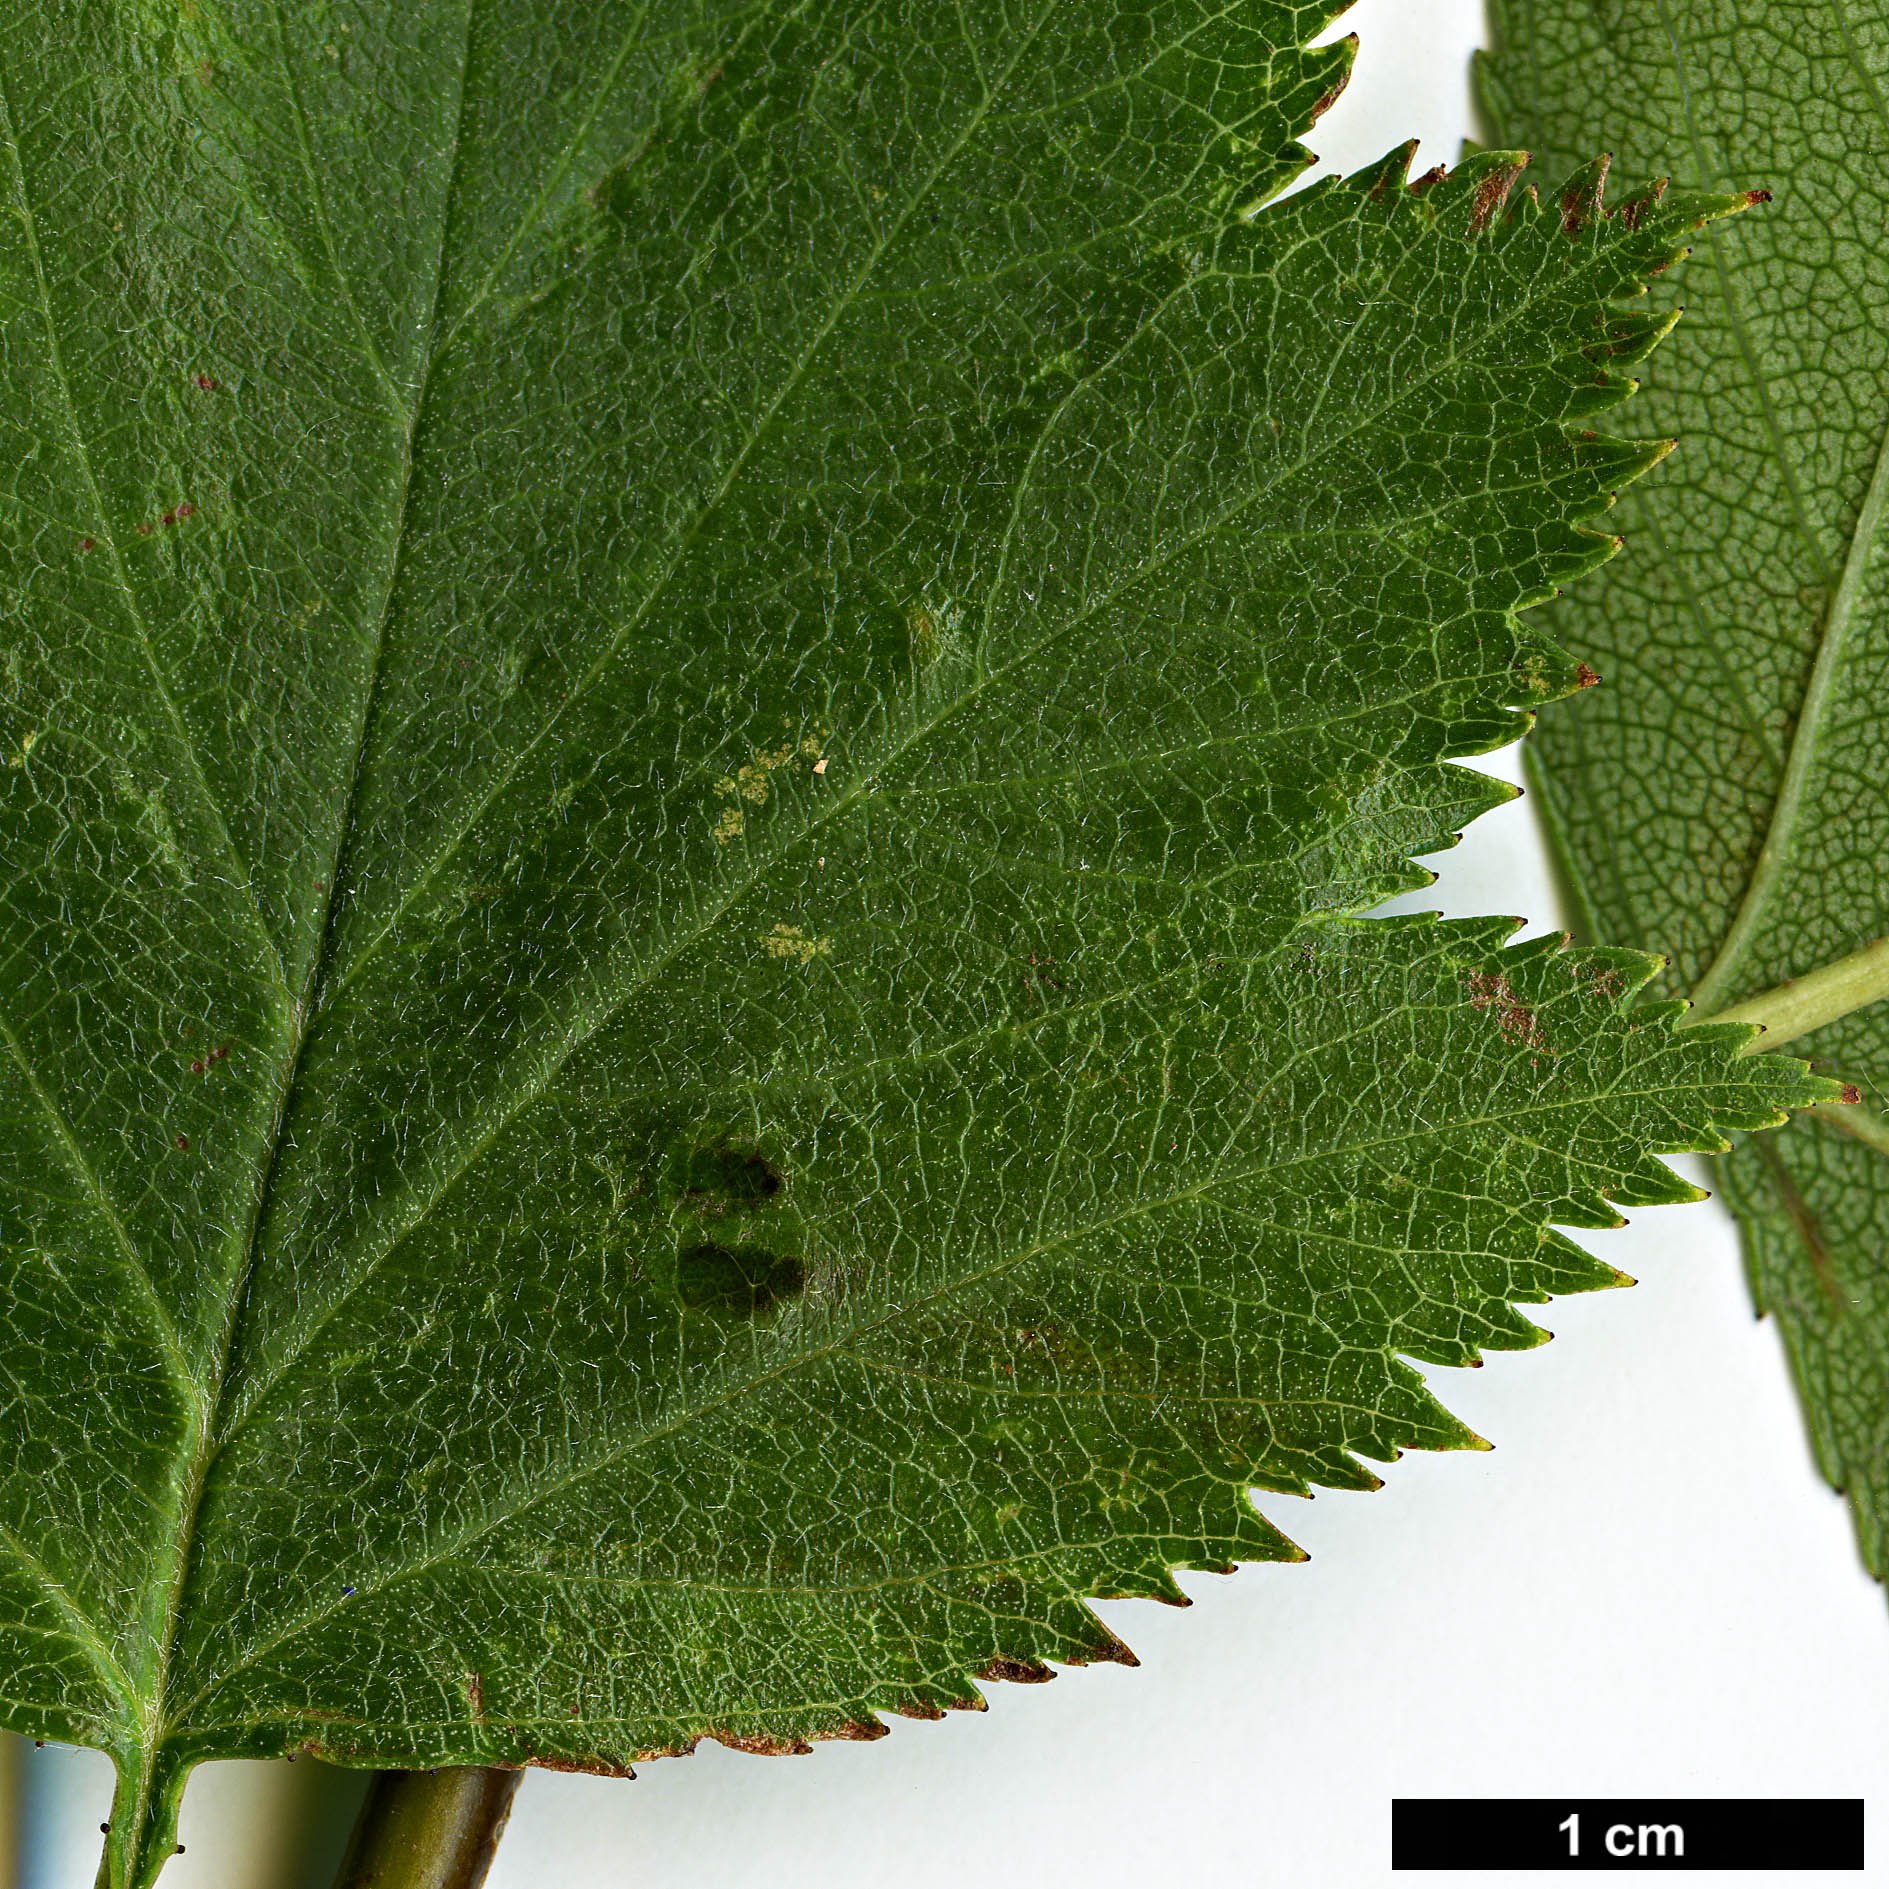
(1627,1833)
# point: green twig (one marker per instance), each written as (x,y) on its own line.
(429,1829)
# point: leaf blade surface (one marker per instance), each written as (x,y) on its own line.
(697,744)
(1721,802)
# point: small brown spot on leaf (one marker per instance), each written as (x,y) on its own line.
(1489,990)
(1113,1651)
(144,531)
(1378,188)
(1491,194)
(1851,1093)
(182,1142)
(1330,98)
(916,1708)
(1020,1672)
(1585,677)
(1585,200)
(1602,979)
(1434,175)
(1633,212)
(88,544)
(207,382)
(765,1744)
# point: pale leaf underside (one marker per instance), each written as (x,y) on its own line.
(1721,800)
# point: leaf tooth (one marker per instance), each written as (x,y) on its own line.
(1582,200)
(1347,48)
(1631,334)
(1478,189)
(1651,1183)
(1328,69)
(1387,176)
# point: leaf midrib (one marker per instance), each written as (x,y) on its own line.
(204,1443)
(202,1449)
(1719,980)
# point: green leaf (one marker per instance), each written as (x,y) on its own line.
(700,701)
(1721,799)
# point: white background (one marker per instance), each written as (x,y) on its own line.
(1643,1590)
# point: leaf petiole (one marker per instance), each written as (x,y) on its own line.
(430,1829)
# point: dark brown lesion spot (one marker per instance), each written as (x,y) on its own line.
(729,1179)
(738,1281)
(1489,990)
(1020,1672)
(1492,192)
